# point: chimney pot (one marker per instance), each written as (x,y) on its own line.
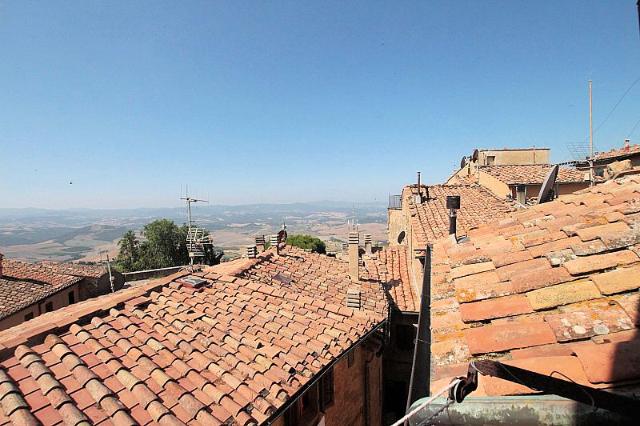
(627,144)
(354,241)
(354,298)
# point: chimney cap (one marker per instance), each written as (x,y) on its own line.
(453,202)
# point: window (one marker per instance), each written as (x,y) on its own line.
(48,307)
(326,390)
(305,410)
(28,316)
(72,298)
(351,358)
(405,336)
(491,160)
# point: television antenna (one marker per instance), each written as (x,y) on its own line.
(197,238)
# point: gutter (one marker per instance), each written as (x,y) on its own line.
(510,410)
(283,408)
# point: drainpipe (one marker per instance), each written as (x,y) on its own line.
(421,368)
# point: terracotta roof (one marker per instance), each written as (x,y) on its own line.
(554,287)
(75,269)
(618,153)
(232,350)
(23,284)
(389,266)
(430,219)
(36,272)
(313,275)
(532,174)
(16,295)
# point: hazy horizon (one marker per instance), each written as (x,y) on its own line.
(120,104)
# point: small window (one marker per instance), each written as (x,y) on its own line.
(72,298)
(405,336)
(491,160)
(48,307)
(28,316)
(401,236)
(351,358)
(326,390)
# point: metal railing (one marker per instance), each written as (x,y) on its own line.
(395,201)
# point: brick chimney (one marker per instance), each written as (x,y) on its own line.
(260,243)
(627,144)
(354,240)
(367,244)
(251,252)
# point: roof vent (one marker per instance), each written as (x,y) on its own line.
(354,298)
(192,282)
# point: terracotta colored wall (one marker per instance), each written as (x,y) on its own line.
(349,393)
(59,300)
(396,223)
(526,156)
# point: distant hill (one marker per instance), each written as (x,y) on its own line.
(73,234)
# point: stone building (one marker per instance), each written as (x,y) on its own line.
(552,289)
(31,289)
(521,182)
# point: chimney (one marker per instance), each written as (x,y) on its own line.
(354,240)
(418,196)
(367,244)
(627,144)
(354,298)
(1,257)
(274,242)
(453,204)
(251,252)
(521,194)
(260,243)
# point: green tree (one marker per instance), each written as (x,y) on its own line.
(129,255)
(164,245)
(307,242)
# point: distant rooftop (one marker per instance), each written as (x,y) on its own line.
(532,173)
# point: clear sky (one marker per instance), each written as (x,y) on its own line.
(275,101)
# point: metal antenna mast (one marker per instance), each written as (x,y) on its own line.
(196,238)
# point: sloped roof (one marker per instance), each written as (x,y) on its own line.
(23,284)
(233,350)
(430,219)
(389,266)
(532,174)
(618,153)
(75,269)
(36,272)
(552,288)
(313,275)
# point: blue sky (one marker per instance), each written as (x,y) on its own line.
(274,101)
